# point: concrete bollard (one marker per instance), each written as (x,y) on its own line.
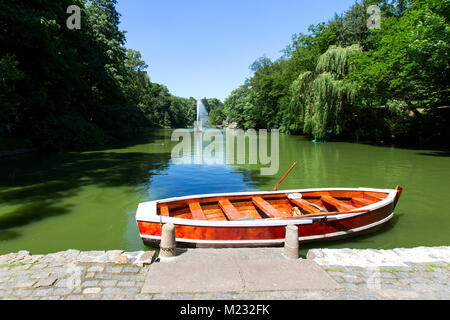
(168,245)
(291,242)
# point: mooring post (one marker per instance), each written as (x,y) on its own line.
(168,245)
(291,242)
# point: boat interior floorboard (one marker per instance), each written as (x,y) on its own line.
(268,206)
(339,205)
(305,206)
(197,212)
(230,211)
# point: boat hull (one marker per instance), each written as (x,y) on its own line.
(265,232)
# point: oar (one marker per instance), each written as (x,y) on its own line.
(292,167)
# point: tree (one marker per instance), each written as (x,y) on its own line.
(319,98)
(235,104)
(411,59)
(214,107)
(10,75)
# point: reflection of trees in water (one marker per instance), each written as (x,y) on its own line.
(315,165)
(39,182)
(319,164)
(251,168)
(314,168)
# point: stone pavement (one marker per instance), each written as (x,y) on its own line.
(346,274)
(235,270)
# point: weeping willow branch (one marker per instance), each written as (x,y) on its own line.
(319,97)
(336,60)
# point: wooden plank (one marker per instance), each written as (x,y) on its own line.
(164,210)
(340,205)
(267,208)
(379,195)
(229,210)
(362,201)
(372,197)
(177,207)
(220,217)
(305,205)
(197,212)
(182,203)
(246,209)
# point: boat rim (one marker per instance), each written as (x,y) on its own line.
(147,211)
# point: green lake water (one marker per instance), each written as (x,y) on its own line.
(87,200)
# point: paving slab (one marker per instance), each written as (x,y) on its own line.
(284,275)
(235,270)
(192,276)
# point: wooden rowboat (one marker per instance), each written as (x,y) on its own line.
(259,218)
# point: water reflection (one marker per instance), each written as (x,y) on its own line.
(87,200)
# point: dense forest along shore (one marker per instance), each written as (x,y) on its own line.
(65,89)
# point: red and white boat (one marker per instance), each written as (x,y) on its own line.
(250,219)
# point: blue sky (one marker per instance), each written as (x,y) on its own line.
(203,48)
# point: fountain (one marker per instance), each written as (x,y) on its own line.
(202,117)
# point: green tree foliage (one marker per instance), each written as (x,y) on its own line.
(321,98)
(214,107)
(409,69)
(10,75)
(160,108)
(73,89)
(237,108)
(344,78)
(411,59)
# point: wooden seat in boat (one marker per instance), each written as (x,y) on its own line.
(339,205)
(196,210)
(230,211)
(267,208)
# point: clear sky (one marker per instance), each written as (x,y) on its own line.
(203,48)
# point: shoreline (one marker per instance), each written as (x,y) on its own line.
(370,258)
(366,274)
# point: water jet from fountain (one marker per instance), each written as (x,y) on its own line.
(202,117)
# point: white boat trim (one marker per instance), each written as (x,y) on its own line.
(267,241)
(213,195)
(147,211)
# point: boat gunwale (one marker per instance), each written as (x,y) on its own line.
(147,211)
(276,241)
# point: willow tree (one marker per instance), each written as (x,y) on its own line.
(320,97)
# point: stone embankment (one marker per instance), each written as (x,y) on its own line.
(74,275)
(415,273)
(418,273)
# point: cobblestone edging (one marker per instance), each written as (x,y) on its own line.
(419,273)
(73,274)
(416,273)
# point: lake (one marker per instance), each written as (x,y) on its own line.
(51,202)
